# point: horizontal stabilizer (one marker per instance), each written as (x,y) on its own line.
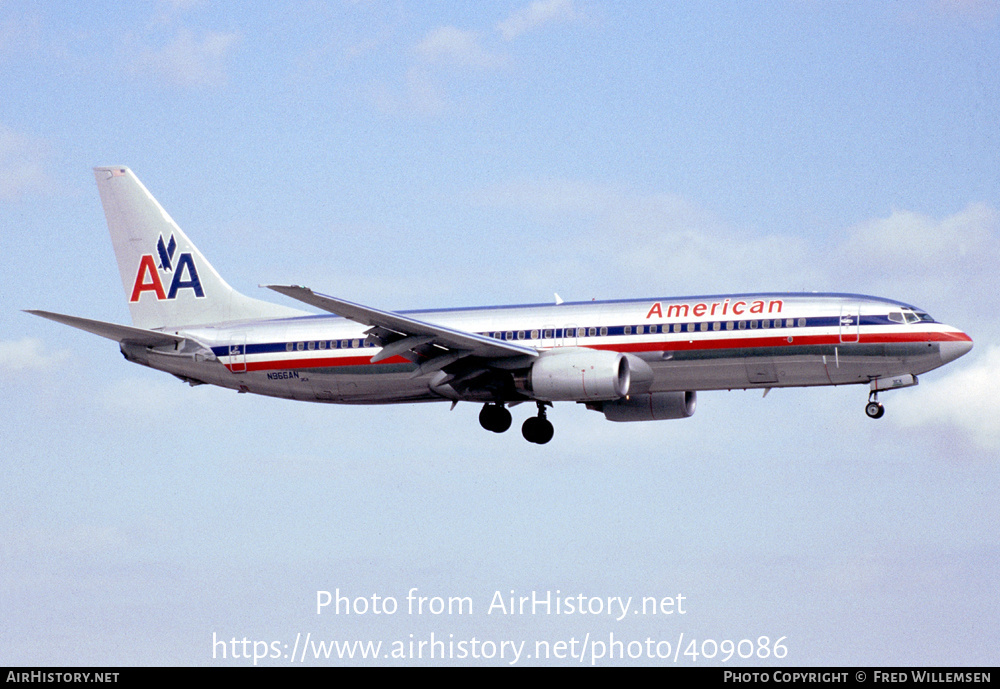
(113,331)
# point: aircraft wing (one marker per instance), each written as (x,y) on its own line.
(113,331)
(400,334)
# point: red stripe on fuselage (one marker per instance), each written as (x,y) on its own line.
(657,346)
(783,341)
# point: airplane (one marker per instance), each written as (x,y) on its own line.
(632,360)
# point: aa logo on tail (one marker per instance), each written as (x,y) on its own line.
(148,277)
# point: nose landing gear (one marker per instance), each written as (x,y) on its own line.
(873,408)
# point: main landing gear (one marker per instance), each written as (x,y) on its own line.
(873,408)
(495,417)
(537,429)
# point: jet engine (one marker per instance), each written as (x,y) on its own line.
(577,374)
(655,406)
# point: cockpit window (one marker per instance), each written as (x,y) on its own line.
(908,316)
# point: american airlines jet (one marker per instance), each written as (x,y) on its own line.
(632,360)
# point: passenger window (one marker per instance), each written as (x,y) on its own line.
(729,325)
(716,325)
(604,331)
(743,325)
(704,327)
(802,322)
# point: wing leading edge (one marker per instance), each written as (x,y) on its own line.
(402,335)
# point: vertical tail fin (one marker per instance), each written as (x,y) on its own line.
(167,281)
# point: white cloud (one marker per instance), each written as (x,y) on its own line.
(190,61)
(965,401)
(147,402)
(442,59)
(21,170)
(913,243)
(535,15)
(910,256)
(449,45)
(656,239)
(933,263)
(27,354)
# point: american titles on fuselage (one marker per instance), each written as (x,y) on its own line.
(739,307)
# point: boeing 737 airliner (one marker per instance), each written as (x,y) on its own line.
(632,360)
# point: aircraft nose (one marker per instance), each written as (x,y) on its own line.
(955,348)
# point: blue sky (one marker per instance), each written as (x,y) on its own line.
(410,155)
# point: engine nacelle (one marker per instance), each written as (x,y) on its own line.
(577,374)
(656,406)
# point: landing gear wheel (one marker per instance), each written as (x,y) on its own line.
(538,429)
(495,417)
